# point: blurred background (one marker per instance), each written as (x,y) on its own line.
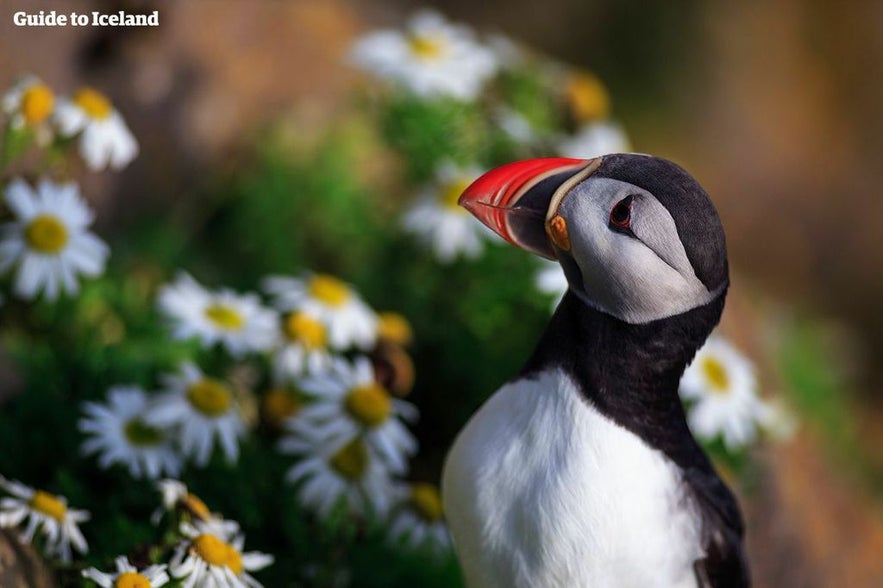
(773,106)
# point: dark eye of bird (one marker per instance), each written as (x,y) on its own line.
(621,215)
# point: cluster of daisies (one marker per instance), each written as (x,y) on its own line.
(336,374)
(45,239)
(433,59)
(203,548)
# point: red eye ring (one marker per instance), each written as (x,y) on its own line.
(621,214)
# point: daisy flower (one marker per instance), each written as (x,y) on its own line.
(430,58)
(418,520)
(29,105)
(331,473)
(119,434)
(128,576)
(550,279)
(48,239)
(175,495)
(593,140)
(721,385)
(200,409)
(448,229)
(394,328)
(105,140)
(280,404)
(47,512)
(237,321)
(207,557)
(348,321)
(349,403)
(304,346)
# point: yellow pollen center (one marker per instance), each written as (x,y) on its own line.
(351,461)
(426,47)
(393,327)
(211,549)
(131,580)
(46,234)
(140,434)
(234,560)
(371,405)
(36,103)
(49,505)
(426,501)
(304,329)
(587,97)
(209,396)
(279,405)
(450,193)
(225,317)
(716,374)
(196,506)
(95,104)
(329,290)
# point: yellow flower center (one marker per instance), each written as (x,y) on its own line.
(371,405)
(225,317)
(95,104)
(36,103)
(234,560)
(450,193)
(131,580)
(393,327)
(426,47)
(140,434)
(426,500)
(279,405)
(209,396)
(329,290)
(587,97)
(211,549)
(46,234)
(351,461)
(304,329)
(716,374)
(49,505)
(196,507)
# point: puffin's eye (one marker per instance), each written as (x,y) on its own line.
(621,215)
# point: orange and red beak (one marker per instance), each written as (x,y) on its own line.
(519,200)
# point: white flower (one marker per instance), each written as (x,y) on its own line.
(208,557)
(515,125)
(128,576)
(444,226)
(595,139)
(237,321)
(330,473)
(431,58)
(350,403)
(722,386)
(105,140)
(349,322)
(550,279)
(49,239)
(304,346)
(175,495)
(777,420)
(47,512)
(120,435)
(30,104)
(418,520)
(200,409)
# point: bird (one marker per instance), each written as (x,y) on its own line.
(581,470)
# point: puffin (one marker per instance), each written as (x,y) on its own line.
(581,470)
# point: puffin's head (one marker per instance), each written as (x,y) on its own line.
(637,236)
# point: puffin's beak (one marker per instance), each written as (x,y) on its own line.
(518,200)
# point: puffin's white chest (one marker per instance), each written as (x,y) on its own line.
(541,491)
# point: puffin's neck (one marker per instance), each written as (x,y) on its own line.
(630,373)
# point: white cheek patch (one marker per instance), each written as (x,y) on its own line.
(637,278)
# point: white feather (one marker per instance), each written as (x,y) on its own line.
(541,490)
